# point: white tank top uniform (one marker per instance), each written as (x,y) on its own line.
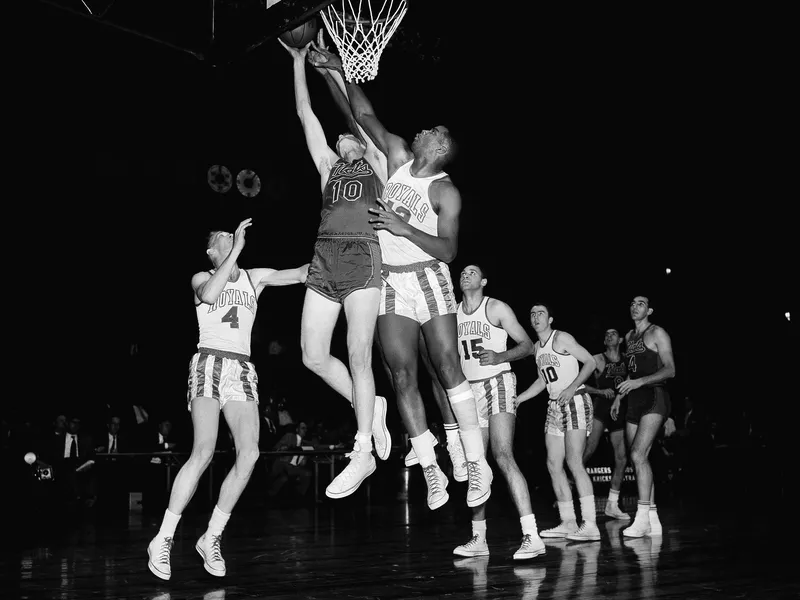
(476,333)
(558,370)
(228,323)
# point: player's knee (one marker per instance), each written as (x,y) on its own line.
(575,462)
(505,459)
(202,454)
(246,458)
(555,465)
(450,373)
(404,379)
(360,358)
(638,456)
(314,359)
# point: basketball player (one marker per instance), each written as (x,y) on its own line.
(569,422)
(221,379)
(417,227)
(609,373)
(648,351)
(345,272)
(408,413)
(484,326)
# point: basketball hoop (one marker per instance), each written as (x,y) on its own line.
(361,33)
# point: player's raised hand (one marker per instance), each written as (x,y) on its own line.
(297,53)
(322,57)
(238,236)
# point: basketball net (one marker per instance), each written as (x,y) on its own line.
(361,33)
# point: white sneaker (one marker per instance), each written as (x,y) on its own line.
(459,460)
(639,528)
(561,530)
(380,432)
(158,557)
(655,523)
(437,486)
(361,466)
(208,547)
(412,458)
(531,547)
(588,532)
(480,482)
(613,511)
(476,546)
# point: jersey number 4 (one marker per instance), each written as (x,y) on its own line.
(632,364)
(232,317)
(549,374)
(475,343)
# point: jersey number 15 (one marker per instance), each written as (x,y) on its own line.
(475,343)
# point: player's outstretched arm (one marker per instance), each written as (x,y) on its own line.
(262,278)
(393,146)
(321,153)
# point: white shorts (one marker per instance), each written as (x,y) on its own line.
(223,376)
(576,414)
(419,291)
(495,395)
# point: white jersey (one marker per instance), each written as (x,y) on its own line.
(227,324)
(558,370)
(476,333)
(408,197)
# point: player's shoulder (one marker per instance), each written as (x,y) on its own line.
(656,331)
(561,338)
(200,277)
(599,357)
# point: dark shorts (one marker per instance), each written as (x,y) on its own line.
(647,400)
(602,412)
(342,265)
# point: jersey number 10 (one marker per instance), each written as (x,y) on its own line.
(350,190)
(549,374)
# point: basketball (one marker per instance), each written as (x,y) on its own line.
(301,35)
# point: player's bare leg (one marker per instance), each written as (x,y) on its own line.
(575,443)
(441,337)
(556,456)
(620,462)
(641,439)
(244,423)
(454,446)
(361,310)
(399,340)
(205,421)
(316,330)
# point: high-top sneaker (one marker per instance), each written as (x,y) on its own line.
(361,466)
(587,532)
(412,458)
(561,530)
(158,557)
(208,546)
(612,510)
(459,460)
(480,482)
(437,486)
(531,547)
(655,523)
(476,546)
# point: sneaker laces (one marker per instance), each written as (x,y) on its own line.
(474,475)
(473,541)
(434,481)
(456,453)
(527,542)
(215,553)
(163,553)
(352,466)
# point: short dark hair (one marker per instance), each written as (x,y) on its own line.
(547,306)
(479,267)
(452,148)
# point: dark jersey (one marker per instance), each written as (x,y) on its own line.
(641,359)
(352,188)
(613,374)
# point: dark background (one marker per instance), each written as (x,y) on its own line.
(597,151)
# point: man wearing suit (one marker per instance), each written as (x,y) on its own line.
(115,474)
(71,455)
(291,467)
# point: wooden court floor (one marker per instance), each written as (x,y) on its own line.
(717,546)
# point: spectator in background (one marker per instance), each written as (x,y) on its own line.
(71,454)
(291,467)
